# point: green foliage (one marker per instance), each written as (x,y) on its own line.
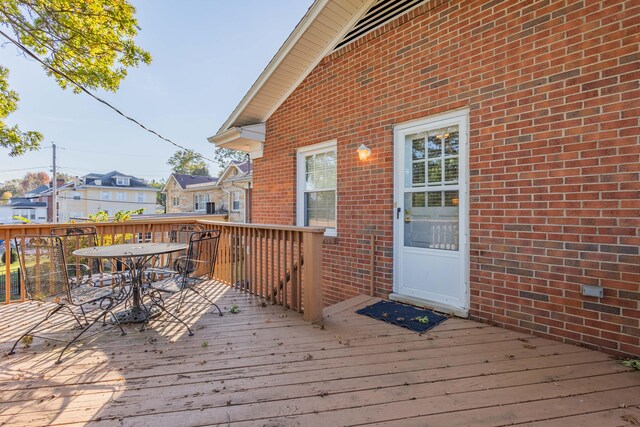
(11,137)
(161,198)
(21,219)
(13,257)
(92,42)
(120,216)
(423,320)
(234,309)
(224,156)
(188,162)
(632,363)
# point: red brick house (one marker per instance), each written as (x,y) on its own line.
(503,177)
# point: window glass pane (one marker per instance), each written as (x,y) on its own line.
(452,141)
(418,173)
(434,143)
(418,149)
(451,198)
(451,169)
(320,209)
(434,199)
(418,200)
(435,171)
(434,226)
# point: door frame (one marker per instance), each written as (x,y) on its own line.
(400,131)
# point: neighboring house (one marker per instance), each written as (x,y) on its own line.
(111,192)
(190,193)
(203,194)
(502,181)
(34,211)
(43,193)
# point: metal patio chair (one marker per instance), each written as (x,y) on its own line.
(44,272)
(86,270)
(167,266)
(193,269)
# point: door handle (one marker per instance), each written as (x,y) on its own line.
(398,213)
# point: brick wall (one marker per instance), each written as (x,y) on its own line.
(553,93)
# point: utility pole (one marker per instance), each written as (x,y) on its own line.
(54,193)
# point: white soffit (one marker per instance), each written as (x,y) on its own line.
(320,30)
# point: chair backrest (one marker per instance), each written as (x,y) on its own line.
(77,237)
(181,233)
(43,266)
(202,253)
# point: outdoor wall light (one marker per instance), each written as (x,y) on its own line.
(364,152)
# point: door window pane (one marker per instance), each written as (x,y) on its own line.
(434,226)
(451,170)
(435,171)
(418,173)
(452,142)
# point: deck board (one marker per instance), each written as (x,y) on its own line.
(266,366)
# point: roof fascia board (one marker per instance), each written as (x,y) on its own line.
(327,50)
(291,41)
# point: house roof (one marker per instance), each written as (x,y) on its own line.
(109,180)
(39,190)
(24,202)
(321,29)
(183,179)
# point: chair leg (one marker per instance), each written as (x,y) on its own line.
(201,294)
(76,317)
(175,317)
(49,314)
(76,337)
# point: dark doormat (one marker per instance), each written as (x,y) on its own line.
(415,319)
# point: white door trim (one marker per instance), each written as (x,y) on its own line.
(400,132)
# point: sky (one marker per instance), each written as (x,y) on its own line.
(206,55)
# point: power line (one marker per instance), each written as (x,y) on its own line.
(24,169)
(83,89)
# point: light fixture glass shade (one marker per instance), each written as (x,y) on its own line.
(364,152)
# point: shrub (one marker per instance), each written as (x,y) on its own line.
(12,258)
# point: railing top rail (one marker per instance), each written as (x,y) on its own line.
(264,226)
(130,222)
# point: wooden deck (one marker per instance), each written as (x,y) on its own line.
(266,366)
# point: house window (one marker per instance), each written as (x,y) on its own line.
(105,195)
(317,177)
(76,196)
(235,205)
(120,180)
(120,196)
(200,201)
(143,237)
(175,201)
(140,197)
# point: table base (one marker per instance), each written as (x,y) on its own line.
(137,314)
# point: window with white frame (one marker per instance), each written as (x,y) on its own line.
(105,195)
(175,201)
(121,180)
(143,238)
(317,182)
(235,199)
(141,197)
(200,201)
(121,196)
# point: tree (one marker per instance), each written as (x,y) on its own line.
(32,180)
(91,42)
(161,198)
(6,196)
(224,156)
(188,162)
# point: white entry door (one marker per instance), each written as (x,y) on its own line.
(431,211)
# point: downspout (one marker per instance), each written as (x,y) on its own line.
(247,193)
(230,200)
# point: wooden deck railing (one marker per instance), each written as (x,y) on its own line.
(279,264)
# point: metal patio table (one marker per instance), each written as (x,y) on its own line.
(135,256)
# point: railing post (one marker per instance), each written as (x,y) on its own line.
(7,271)
(312,245)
